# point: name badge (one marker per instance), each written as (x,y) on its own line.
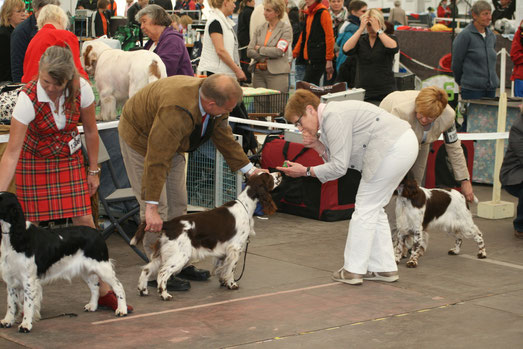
(451,135)
(75,143)
(283,45)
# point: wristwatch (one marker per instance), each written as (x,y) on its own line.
(308,173)
(379,32)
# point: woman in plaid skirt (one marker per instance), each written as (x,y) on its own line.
(43,152)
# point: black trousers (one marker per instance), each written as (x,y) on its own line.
(313,72)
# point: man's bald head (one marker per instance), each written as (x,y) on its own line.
(221,89)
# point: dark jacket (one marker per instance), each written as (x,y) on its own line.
(244,18)
(98,24)
(131,13)
(171,49)
(5,54)
(20,39)
(87,4)
(374,71)
(167,5)
(512,168)
(474,60)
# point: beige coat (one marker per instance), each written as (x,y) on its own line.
(277,62)
(402,104)
(153,124)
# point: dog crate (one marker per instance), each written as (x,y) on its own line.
(210,182)
(262,102)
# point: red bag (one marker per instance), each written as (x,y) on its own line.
(307,196)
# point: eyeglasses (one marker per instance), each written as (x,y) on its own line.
(298,122)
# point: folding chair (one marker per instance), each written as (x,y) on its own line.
(124,197)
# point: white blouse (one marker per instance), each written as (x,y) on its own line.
(24,111)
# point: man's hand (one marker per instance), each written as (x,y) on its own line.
(466,190)
(257,171)
(153,221)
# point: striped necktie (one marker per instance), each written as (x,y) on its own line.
(204,117)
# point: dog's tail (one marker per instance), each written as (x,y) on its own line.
(154,72)
(138,236)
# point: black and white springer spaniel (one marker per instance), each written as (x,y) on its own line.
(221,232)
(419,210)
(32,256)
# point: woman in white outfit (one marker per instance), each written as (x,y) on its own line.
(360,136)
(220,44)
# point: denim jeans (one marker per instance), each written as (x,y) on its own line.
(517,191)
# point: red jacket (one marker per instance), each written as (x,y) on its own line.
(516,54)
(44,38)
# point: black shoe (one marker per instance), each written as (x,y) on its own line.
(193,273)
(173,284)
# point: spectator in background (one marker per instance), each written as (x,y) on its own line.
(21,37)
(397,15)
(299,63)
(444,11)
(199,5)
(474,56)
(128,4)
(87,5)
(177,26)
(51,22)
(511,174)
(339,15)
(167,5)
(188,5)
(166,42)
(374,51)
(503,9)
(11,15)
(347,72)
(432,15)
(268,49)
(220,42)
(244,20)
(316,43)
(516,54)
(102,19)
(185,21)
(131,16)
(112,8)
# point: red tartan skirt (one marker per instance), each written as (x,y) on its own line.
(52,188)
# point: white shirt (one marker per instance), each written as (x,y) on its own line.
(24,111)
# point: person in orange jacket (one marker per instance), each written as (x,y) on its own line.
(315,47)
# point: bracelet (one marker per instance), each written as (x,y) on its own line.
(95,172)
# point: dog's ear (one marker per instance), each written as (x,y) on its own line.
(87,59)
(263,190)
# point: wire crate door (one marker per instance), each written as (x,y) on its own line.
(210,182)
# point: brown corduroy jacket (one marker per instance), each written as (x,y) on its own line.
(154,124)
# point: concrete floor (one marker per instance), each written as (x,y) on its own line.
(287,299)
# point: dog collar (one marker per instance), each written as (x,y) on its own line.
(242,205)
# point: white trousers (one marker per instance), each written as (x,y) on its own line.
(369,243)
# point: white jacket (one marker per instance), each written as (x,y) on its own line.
(209,60)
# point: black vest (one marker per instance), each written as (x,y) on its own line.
(316,47)
(196,139)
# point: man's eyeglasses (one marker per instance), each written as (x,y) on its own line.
(298,122)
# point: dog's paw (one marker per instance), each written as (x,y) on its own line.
(25,328)
(232,286)
(453,252)
(143,292)
(482,254)
(166,296)
(412,264)
(121,312)
(5,324)
(90,307)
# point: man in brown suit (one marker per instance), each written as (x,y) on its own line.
(162,121)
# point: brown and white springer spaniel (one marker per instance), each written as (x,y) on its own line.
(419,210)
(221,232)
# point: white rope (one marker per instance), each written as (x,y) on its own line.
(462,136)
